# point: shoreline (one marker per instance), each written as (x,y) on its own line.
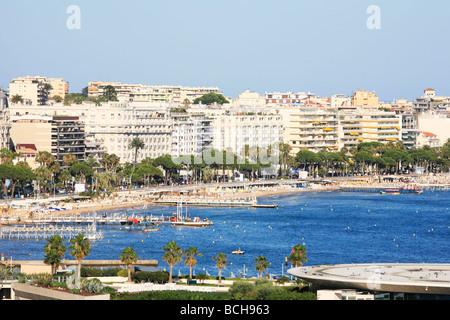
(220,191)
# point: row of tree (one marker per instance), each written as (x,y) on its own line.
(108,173)
(80,247)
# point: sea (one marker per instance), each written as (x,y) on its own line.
(335,227)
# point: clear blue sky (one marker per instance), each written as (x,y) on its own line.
(319,46)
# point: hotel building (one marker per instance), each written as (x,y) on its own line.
(366,125)
(58,135)
(33,92)
(192,133)
(311,128)
(151,93)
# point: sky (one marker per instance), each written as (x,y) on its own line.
(322,46)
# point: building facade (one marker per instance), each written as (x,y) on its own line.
(192,134)
(368,125)
(151,93)
(311,128)
(33,89)
(58,135)
(364,98)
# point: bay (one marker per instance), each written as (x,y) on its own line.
(335,227)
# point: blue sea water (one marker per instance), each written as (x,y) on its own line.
(335,227)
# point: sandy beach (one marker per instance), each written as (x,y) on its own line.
(222,191)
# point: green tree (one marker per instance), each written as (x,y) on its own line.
(7,155)
(211,98)
(172,256)
(285,150)
(54,251)
(190,260)
(129,256)
(16,99)
(70,159)
(221,261)
(262,264)
(57,98)
(298,255)
(80,247)
(307,158)
(81,171)
(167,164)
(109,93)
(137,144)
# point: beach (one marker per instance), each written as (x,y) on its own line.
(203,192)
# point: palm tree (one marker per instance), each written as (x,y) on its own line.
(221,260)
(129,256)
(135,144)
(16,99)
(81,247)
(172,256)
(298,255)
(54,250)
(69,159)
(261,264)
(190,258)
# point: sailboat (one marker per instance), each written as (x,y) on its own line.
(179,220)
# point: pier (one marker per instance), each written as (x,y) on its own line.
(39,232)
(253,203)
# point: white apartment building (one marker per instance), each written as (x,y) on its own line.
(286,97)
(192,133)
(5,127)
(235,129)
(115,124)
(437,123)
(366,125)
(151,93)
(32,90)
(311,128)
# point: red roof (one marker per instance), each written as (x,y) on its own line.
(429,134)
(21,146)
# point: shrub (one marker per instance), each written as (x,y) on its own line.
(242,290)
(124,273)
(93,286)
(154,277)
(43,279)
(97,272)
(265,290)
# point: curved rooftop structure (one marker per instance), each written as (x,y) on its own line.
(421,278)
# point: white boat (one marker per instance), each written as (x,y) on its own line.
(239,251)
(179,220)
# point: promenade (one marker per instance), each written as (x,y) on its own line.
(219,194)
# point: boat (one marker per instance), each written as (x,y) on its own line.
(151,230)
(239,251)
(179,220)
(405,189)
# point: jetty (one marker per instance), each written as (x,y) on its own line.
(252,203)
(39,232)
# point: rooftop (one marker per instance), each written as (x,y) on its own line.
(388,277)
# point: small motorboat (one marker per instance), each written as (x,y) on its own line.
(239,251)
